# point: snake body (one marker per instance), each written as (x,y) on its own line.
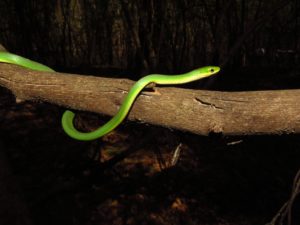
(68,116)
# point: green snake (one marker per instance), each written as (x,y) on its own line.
(68,116)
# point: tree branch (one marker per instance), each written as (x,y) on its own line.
(196,111)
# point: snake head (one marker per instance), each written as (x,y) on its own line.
(209,70)
(202,72)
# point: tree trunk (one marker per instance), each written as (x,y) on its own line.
(197,111)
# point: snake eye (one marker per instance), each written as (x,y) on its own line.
(212,70)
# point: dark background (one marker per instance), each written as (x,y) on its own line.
(150,36)
(218,180)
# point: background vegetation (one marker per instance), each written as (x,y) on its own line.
(147,36)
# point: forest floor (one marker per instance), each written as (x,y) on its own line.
(128,176)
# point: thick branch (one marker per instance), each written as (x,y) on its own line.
(200,112)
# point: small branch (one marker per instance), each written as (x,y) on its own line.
(196,111)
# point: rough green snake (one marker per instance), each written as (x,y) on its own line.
(68,116)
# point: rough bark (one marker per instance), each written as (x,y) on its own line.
(196,111)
